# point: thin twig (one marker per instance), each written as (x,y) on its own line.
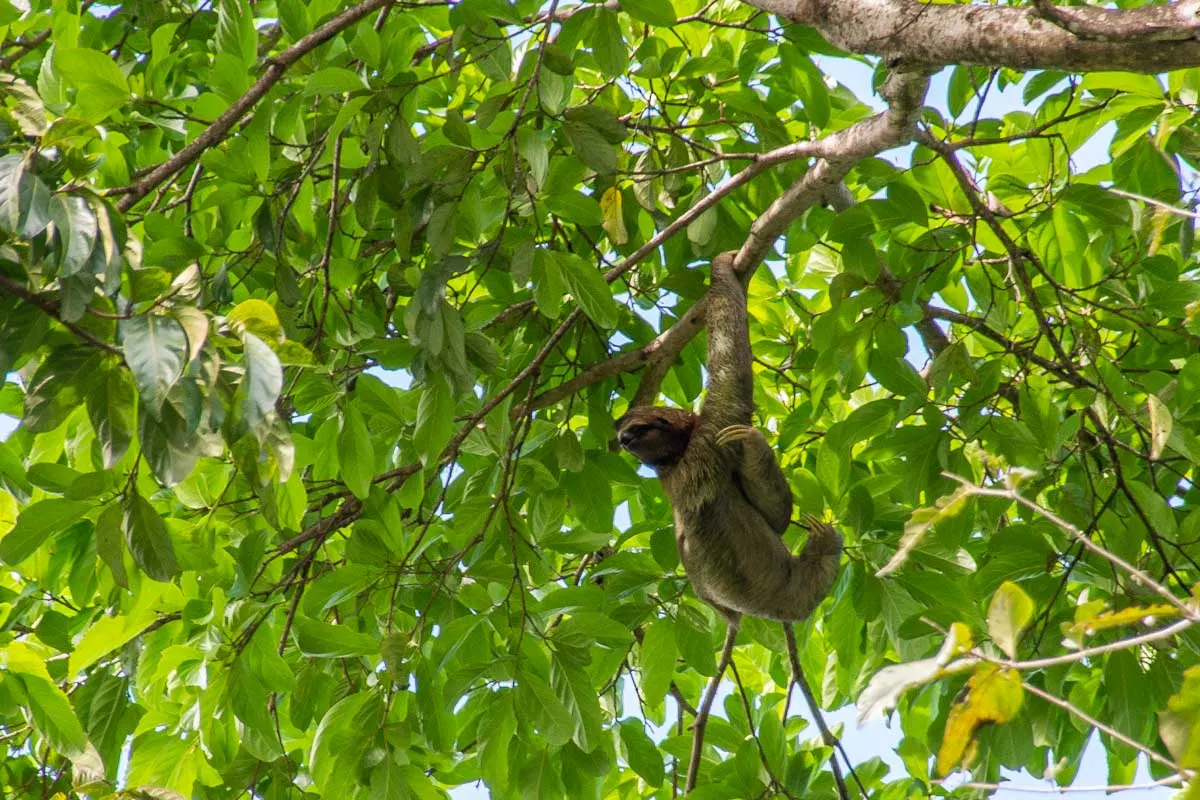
(1170,780)
(1138,574)
(710,694)
(1089,652)
(827,736)
(1150,201)
(50,308)
(1103,728)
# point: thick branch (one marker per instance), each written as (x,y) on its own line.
(929,34)
(838,153)
(221,126)
(1175,22)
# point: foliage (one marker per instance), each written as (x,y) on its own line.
(312,313)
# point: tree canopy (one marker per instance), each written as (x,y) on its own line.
(316,316)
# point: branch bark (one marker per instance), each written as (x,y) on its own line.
(934,35)
(1174,22)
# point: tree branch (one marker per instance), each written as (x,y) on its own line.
(1174,22)
(831,741)
(1075,533)
(706,702)
(50,308)
(837,152)
(935,35)
(220,127)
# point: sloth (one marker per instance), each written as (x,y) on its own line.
(731,501)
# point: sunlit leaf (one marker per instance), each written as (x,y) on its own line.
(1008,614)
(53,716)
(36,525)
(100,85)
(993,695)
(1126,617)
(264,379)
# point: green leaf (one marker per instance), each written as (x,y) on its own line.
(809,84)
(694,641)
(1126,694)
(573,687)
(156,350)
(341,738)
(548,282)
(643,755)
(105,635)
(321,640)
(37,525)
(608,45)
(168,441)
(576,208)
(601,120)
(435,420)
(333,80)
(591,146)
(433,708)
(100,85)
(148,540)
(548,713)
(442,228)
(356,453)
(497,726)
(589,288)
(1156,509)
(52,477)
(109,544)
(263,381)
(1008,614)
(235,31)
(700,231)
(1144,85)
(657,13)
(24,199)
(53,716)
(896,375)
(111,408)
(76,229)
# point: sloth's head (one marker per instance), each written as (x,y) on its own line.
(656,435)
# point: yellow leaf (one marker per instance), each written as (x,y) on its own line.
(8,512)
(257,317)
(614,222)
(1161,423)
(993,695)
(1144,615)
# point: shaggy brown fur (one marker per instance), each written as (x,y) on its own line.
(731,500)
